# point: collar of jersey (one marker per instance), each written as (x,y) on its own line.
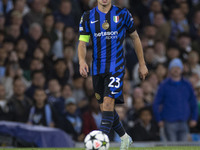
(103,12)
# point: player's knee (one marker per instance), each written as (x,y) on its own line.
(108,104)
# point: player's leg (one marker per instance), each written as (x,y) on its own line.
(107,108)
(114,89)
(126,140)
(106,103)
(117,125)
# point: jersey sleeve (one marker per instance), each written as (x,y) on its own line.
(129,22)
(84,30)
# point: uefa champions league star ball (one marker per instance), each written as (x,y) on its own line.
(96,140)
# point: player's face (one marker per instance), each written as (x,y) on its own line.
(104,2)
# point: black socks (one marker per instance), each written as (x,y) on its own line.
(107,121)
(117,125)
(110,120)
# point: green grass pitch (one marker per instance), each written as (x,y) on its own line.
(132,148)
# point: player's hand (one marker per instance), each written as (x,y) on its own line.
(143,71)
(84,69)
(192,123)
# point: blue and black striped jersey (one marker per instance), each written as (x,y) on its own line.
(107,32)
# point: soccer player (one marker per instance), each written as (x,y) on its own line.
(106,25)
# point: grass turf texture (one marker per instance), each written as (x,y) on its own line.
(132,148)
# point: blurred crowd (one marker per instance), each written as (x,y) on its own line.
(40,82)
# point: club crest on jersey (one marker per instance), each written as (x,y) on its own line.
(105,25)
(116,19)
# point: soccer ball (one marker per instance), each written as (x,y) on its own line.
(96,140)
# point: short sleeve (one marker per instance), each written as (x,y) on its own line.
(84,30)
(129,22)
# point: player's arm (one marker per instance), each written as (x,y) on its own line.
(83,40)
(138,47)
(81,55)
(139,51)
(129,23)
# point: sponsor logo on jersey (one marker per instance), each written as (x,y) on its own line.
(108,35)
(112,33)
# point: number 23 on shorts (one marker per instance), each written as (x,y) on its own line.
(115,82)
